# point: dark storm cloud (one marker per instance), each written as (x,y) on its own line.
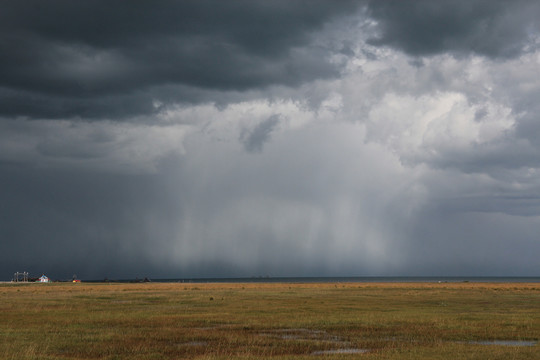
(462,243)
(91,58)
(269,137)
(487,27)
(62,222)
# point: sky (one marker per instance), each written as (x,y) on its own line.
(240,138)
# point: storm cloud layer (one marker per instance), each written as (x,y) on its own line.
(105,59)
(283,138)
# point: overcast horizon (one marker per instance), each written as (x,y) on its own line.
(192,139)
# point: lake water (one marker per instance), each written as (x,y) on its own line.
(504,342)
(340,351)
(358,279)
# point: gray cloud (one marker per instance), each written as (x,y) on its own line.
(390,138)
(490,28)
(255,138)
(464,246)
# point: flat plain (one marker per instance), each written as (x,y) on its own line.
(270,320)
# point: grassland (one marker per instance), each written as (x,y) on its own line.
(280,321)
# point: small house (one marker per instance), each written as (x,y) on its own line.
(43,279)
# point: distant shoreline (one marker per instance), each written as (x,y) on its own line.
(334,279)
(330,279)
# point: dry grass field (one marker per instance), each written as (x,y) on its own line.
(280,321)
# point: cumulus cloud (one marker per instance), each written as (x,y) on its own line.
(442,130)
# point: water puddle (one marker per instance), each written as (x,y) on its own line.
(196,343)
(300,331)
(503,342)
(215,327)
(303,334)
(340,351)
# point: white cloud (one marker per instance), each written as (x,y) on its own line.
(432,128)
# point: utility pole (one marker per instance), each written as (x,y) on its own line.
(17,276)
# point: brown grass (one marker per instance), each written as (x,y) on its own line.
(267,320)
